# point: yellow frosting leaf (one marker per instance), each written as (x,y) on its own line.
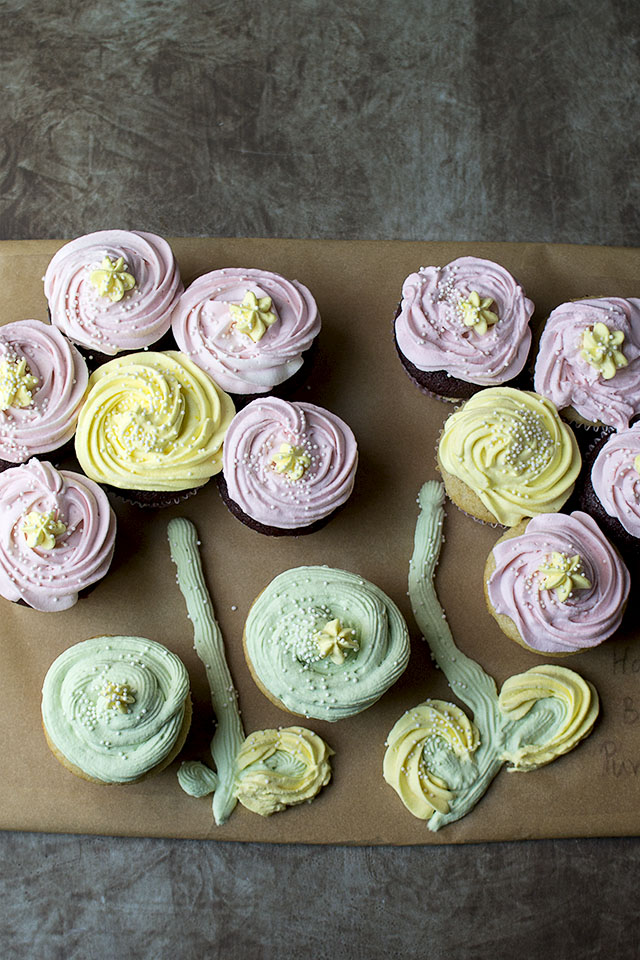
(112,280)
(293,461)
(562,574)
(476,313)
(600,349)
(41,529)
(334,639)
(253,316)
(16,383)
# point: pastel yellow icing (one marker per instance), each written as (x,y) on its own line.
(291,460)
(111,280)
(152,421)
(41,529)
(562,574)
(253,316)
(476,313)
(16,383)
(511,448)
(117,696)
(600,348)
(335,641)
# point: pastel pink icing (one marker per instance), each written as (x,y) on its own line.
(50,580)
(50,420)
(545,624)
(616,481)
(271,498)
(569,381)
(140,318)
(430,332)
(205,330)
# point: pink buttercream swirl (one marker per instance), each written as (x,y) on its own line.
(140,318)
(568,380)
(50,580)
(50,419)
(205,330)
(545,623)
(431,333)
(616,480)
(257,433)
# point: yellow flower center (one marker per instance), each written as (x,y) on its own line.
(112,280)
(16,383)
(600,349)
(118,696)
(41,529)
(253,316)
(475,312)
(293,461)
(562,574)
(334,641)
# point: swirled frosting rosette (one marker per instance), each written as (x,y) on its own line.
(113,290)
(511,455)
(43,380)
(615,477)
(560,583)
(152,422)
(116,708)
(589,360)
(57,535)
(288,465)
(325,643)
(469,318)
(248,329)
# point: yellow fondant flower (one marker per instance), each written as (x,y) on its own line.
(291,460)
(476,313)
(41,529)
(112,280)
(16,383)
(118,696)
(334,639)
(563,574)
(600,349)
(253,315)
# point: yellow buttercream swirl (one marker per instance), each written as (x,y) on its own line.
(576,697)
(600,349)
(291,460)
(41,529)
(279,768)
(253,316)
(16,383)
(511,448)
(335,641)
(562,574)
(476,313)
(423,738)
(112,280)
(152,421)
(117,696)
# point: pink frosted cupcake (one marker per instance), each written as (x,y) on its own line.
(555,584)
(248,329)
(43,381)
(588,361)
(611,493)
(57,535)
(113,291)
(462,327)
(287,466)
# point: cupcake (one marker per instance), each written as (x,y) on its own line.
(555,584)
(113,291)
(287,466)
(43,380)
(248,329)
(588,361)
(506,455)
(57,535)
(324,643)
(462,327)
(611,492)
(152,427)
(116,709)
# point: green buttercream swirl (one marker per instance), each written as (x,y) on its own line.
(112,745)
(288,615)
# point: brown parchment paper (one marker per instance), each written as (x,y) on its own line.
(593,791)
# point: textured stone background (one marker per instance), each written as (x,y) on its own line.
(440,119)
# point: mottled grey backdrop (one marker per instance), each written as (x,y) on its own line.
(440,119)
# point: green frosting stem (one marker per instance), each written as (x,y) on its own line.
(229,734)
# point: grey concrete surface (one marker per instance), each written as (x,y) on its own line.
(440,119)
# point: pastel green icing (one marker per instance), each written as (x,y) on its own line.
(281,632)
(209,645)
(113,745)
(539,715)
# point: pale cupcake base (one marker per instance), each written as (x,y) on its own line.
(173,753)
(505,623)
(464,497)
(259,684)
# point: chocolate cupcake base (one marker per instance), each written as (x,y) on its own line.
(248,521)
